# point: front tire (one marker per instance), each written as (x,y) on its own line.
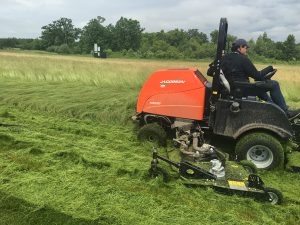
(154,133)
(273,196)
(264,150)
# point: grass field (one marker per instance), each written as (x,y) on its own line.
(75,159)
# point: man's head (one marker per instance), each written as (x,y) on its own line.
(240,45)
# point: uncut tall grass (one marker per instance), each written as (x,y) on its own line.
(101,89)
(104,90)
(117,73)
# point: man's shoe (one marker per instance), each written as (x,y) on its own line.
(292,114)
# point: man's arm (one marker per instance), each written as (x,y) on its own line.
(251,70)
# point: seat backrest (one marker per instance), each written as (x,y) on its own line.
(224,81)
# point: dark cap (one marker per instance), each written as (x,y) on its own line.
(241,42)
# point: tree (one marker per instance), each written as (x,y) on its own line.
(176,37)
(94,32)
(31,44)
(200,37)
(147,42)
(214,36)
(266,47)
(230,39)
(162,35)
(290,48)
(8,42)
(191,48)
(298,51)
(59,32)
(160,45)
(127,34)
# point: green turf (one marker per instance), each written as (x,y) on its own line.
(75,159)
(90,171)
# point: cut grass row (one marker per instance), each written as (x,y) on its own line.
(70,99)
(97,173)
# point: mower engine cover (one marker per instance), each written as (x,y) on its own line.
(175,93)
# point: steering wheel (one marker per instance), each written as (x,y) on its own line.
(269,75)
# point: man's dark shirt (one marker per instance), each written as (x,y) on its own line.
(237,67)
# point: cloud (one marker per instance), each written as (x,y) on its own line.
(247,19)
(33,4)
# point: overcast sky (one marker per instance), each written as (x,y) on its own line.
(247,19)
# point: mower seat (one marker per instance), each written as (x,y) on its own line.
(238,90)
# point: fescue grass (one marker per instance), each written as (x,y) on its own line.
(75,159)
(109,72)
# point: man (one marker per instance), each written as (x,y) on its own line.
(237,67)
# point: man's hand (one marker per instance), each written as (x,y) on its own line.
(269,75)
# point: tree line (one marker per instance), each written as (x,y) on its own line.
(127,38)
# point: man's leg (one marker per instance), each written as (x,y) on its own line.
(264,96)
(276,94)
(259,92)
(277,98)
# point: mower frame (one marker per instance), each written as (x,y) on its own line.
(225,115)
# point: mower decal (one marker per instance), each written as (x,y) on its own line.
(154,103)
(172,82)
(163,83)
(237,185)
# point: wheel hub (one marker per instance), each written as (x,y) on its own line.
(273,198)
(152,138)
(260,155)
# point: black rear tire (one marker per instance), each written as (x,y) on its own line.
(273,196)
(154,133)
(264,150)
